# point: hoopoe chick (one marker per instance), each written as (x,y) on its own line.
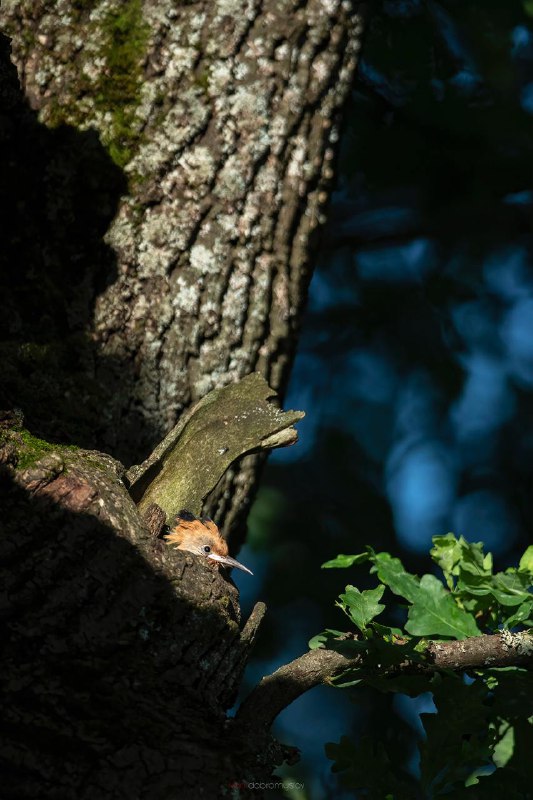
(202,537)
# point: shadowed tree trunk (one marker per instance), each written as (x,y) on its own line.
(167,166)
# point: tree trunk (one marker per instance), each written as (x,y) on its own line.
(164,187)
(223,116)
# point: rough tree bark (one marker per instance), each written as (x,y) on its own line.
(223,115)
(121,654)
(166,168)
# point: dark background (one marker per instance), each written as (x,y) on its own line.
(415,365)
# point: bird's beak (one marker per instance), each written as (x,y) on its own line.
(229,562)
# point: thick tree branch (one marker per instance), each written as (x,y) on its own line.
(503,649)
(275,692)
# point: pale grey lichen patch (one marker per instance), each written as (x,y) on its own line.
(121,236)
(234,304)
(297,162)
(229,8)
(249,108)
(180,61)
(228,224)
(330,6)
(178,127)
(193,175)
(231,182)
(241,71)
(202,259)
(149,95)
(220,77)
(161,242)
(267,180)
(203,384)
(320,69)
(521,642)
(239,14)
(186,297)
(524,643)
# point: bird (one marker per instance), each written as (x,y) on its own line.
(200,535)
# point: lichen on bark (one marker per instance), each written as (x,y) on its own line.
(232,110)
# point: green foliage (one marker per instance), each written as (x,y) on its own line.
(474,743)
(345,561)
(497,600)
(362,607)
(474,599)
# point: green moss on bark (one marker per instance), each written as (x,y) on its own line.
(32,449)
(115,93)
(118,90)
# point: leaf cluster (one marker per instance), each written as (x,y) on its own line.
(475,744)
(474,599)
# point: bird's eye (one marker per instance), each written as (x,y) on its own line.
(206,548)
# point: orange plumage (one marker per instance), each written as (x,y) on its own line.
(201,537)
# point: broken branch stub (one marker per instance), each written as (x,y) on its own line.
(223,426)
